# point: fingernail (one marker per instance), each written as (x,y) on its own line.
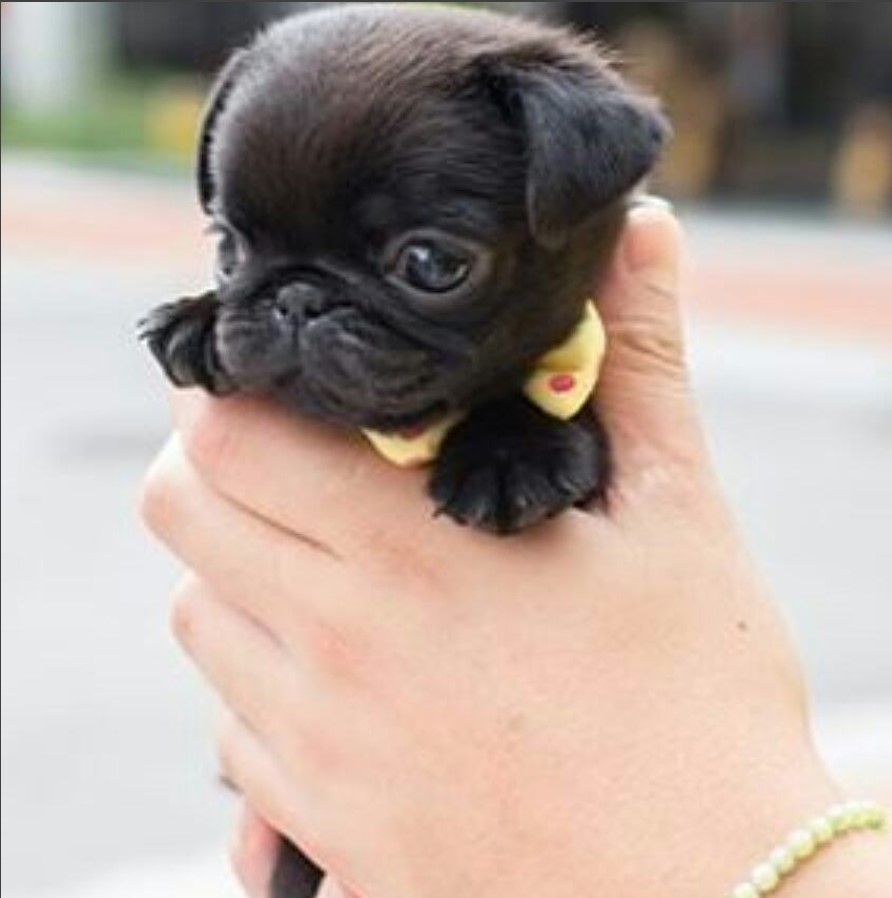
(650,201)
(651,245)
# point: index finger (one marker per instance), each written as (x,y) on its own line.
(303,476)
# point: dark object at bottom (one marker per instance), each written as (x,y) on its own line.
(295,875)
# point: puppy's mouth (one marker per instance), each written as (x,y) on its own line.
(339,364)
(357,371)
(405,423)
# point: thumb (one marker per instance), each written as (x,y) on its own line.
(644,396)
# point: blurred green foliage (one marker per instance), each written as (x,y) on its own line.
(147,119)
(117,126)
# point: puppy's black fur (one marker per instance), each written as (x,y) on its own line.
(353,159)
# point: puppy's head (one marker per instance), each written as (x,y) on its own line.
(412,204)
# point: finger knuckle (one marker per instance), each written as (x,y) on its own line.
(157,499)
(331,650)
(414,568)
(650,347)
(315,754)
(184,613)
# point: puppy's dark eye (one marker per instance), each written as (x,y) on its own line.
(230,253)
(432,266)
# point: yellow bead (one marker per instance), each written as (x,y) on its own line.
(765,878)
(804,841)
(849,816)
(745,890)
(783,859)
(822,829)
(876,816)
(836,816)
(801,842)
(853,809)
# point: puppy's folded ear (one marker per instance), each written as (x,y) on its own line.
(588,137)
(214,104)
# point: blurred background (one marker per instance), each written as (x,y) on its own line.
(782,172)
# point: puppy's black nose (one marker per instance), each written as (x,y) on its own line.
(298,301)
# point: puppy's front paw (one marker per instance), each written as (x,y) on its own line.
(181,337)
(509,465)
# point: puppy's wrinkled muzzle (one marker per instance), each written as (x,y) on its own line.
(323,354)
(254,345)
(259,337)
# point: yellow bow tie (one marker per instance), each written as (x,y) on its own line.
(560,384)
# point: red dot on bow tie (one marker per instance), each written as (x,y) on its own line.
(561,383)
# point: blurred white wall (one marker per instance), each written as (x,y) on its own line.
(53,53)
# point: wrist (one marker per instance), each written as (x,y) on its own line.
(842,858)
(724,821)
(780,796)
(737,820)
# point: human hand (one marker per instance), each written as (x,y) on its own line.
(606,705)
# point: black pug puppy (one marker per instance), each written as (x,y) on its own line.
(414,206)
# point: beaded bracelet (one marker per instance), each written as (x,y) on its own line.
(802,843)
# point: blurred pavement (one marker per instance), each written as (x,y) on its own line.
(107,734)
